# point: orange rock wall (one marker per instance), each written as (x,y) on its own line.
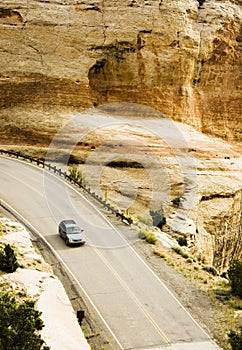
(182,57)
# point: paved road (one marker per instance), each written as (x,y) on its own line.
(138,309)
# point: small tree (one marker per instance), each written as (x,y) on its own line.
(235,339)
(19,325)
(8,260)
(235,276)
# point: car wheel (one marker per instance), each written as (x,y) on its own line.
(67,241)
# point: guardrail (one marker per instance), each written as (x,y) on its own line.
(62,173)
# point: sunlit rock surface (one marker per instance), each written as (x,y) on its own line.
(180,57)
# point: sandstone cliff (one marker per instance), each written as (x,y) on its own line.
(182,57)
(144,164)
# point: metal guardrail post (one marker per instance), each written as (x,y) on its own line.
(68,177)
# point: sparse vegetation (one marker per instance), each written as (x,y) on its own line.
(142,234)
(235,303)
(145,220)
(226,306)
(151,238)
(159,252)
(211,269)
(76,175)
(178,249)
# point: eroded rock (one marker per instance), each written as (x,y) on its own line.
(180,57)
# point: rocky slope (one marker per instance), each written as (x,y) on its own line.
(182,57)
(145,164)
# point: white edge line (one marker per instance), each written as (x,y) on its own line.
(32,228)
(138,256)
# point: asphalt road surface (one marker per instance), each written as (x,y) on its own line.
(136,307)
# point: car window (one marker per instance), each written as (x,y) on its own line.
(73,229)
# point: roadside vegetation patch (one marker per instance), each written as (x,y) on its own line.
(226,304)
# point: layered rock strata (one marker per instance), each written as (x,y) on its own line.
(181,57)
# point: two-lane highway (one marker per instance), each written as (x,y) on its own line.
(138,309)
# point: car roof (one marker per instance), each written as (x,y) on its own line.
(68,222)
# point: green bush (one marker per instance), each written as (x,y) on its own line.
(76,175)
(145,220)
(142,234)
(235,339)
(223,295)
(210,269)
(235,277)
(8,260)
(19,325)
(178,250)
(151,238)
(235,303)
(181,252)
(182,241)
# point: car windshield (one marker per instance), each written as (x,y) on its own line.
(73,229)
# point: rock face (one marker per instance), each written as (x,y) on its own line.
(143,164)
(219,220)
(182,57)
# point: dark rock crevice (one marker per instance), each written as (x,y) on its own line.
(10,17)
